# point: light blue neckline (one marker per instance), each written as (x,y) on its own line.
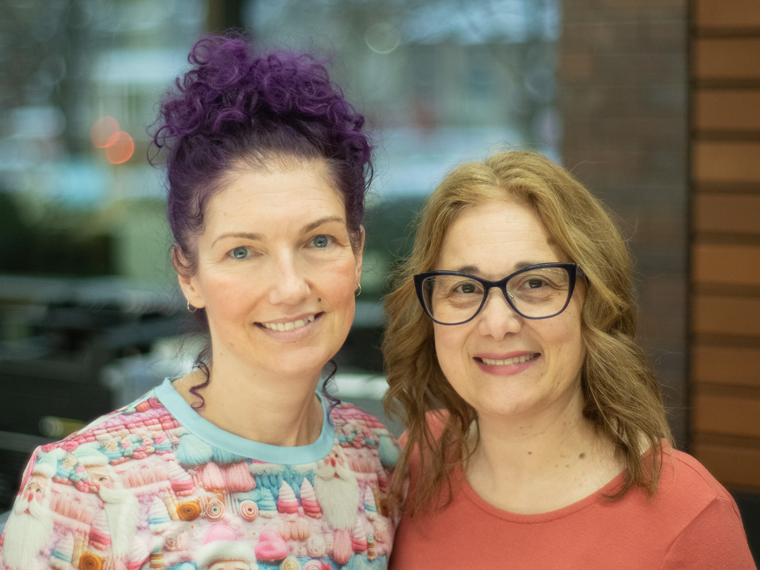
(216,436)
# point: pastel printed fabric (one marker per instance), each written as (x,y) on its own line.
(154,486)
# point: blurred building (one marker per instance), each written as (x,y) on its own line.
(75,62)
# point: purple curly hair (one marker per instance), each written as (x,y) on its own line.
(235,108)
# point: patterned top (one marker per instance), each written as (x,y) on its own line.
(155,486)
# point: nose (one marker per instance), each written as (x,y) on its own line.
(289,285)
(497,318)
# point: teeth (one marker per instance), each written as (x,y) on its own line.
(515,360)
(288,326)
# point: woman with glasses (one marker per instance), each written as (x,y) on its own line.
(536,434)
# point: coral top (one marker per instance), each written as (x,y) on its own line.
(155,486)
(692,522)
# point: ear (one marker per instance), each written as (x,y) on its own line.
(190,291)
(359,255)
(188,283)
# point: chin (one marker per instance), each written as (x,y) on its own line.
(503,405)
(303,362)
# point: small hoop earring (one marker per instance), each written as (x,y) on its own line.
(191,308)
(359,292)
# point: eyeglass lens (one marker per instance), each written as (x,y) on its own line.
(536,293)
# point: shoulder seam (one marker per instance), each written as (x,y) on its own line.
(677,456)
(691,522)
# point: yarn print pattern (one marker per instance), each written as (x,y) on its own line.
(136,490)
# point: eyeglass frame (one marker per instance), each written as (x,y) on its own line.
(573,271)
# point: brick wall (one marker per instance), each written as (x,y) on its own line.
(725,170)
(623,77)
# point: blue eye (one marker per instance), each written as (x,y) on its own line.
(240,252)
(321,241)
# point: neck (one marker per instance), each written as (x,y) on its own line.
(533,464)
(267,408)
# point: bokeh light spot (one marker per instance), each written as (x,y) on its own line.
(103,130)
(119,148)
(382,38)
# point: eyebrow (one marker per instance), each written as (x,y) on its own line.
(246,235)
(474,270)
(259,237)
(326,220)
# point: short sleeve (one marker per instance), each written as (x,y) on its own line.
(714,540)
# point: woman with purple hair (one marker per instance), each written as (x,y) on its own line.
(239,464)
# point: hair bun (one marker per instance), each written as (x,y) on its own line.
(229,87)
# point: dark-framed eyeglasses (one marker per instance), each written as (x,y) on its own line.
(536,292)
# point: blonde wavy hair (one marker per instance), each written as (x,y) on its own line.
(622,396)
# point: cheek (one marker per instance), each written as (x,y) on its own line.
(340,288)
(567,340)
(229,301)
(579,351)
(338,285)
(225,293)
(575,333)
(450,350)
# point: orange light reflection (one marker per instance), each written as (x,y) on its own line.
(103,130)
(119,148)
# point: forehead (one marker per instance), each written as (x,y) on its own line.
(496,236)
(296,189)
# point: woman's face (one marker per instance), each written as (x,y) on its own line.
(276,271)
(493,240)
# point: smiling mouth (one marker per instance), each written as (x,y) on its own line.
(290,325)
(508,361)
